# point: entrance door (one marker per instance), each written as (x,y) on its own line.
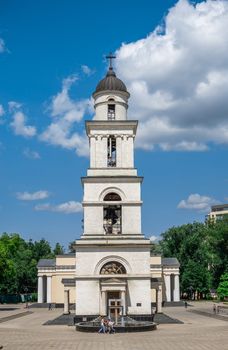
(114,305)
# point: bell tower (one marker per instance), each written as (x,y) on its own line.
(112,242)
(114,274)
(112,193)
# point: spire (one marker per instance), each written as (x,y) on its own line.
(110,71)
(110,82)
(110,57)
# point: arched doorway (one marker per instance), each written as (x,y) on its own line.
(113,290)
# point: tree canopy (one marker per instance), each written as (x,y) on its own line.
(18,261)
(202,250)
(223,286)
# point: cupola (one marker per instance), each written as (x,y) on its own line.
(111,96)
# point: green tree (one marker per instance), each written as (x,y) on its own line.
(195,279)
(218,242)
(71,248)
(41,249)
(155,248)
(58,250)
(189,244)
(223,286)
(18,263)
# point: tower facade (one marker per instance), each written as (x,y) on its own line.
(112,256)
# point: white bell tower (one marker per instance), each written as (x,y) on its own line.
(112,241)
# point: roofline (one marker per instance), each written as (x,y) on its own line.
(114,178)
(219,206)
(109,124)
(95,94)
(69,255)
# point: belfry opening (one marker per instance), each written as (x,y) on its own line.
(112,214)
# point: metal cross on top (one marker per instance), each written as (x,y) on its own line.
(110,57)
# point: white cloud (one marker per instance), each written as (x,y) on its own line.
(70,207)
(2,46)
(86,70)
(13,106)
(154,238)
(178,78)
(2,112)
(19,125)
(31,154)
(197,202)
(26,196)
(66,114)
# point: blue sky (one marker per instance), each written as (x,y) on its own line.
(172,55)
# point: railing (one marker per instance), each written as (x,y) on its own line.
(111,163)
(111,116)
(112,229)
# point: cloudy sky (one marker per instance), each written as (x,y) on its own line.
(172,55)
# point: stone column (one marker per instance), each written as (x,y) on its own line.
(167,287)
(130,150)
(40,289)
(92,152)
(49,289)
(176,288)
(123,301)
(66,302)
(124,151)
(119,151)
(103,303)
(159,299)
(101,153)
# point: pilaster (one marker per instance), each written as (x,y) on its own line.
(40,289)
(176,288)
(49,280)
(167,287)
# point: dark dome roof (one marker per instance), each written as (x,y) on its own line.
(110,82)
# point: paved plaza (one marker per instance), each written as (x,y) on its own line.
(197,332)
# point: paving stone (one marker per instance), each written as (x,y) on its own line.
(196,333)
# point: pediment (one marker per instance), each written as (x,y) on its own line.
(113,281)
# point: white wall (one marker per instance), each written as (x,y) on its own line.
(139,292)
(124,150)
(88,258)
(87,297)
(101,105)
(131,219)
(93,220)
(93,206)
(131,190)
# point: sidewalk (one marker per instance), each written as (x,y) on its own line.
(207,309)
(195,333)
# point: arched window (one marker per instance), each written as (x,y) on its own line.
(112,214)
(111,109)
(112,196)
(111,152)
(113,268)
